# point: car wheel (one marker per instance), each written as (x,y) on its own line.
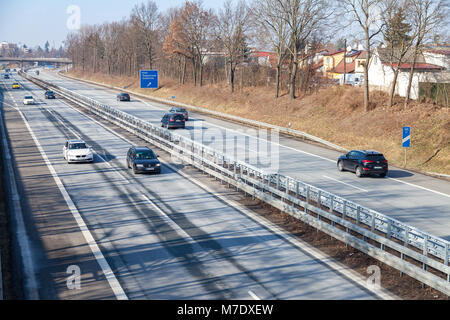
(128,165)
(383,175)
(359,173)
(134,170)
(340,166)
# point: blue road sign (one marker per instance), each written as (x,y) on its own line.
(406,142)
(149,79)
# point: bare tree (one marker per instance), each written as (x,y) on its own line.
(269,16)
(397,37)
(146,17)
(426,16)
(366,14)
(303,18)
(230,31)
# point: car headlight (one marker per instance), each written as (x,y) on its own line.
(158,164)
(140,165)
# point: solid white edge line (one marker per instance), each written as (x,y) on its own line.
(350,274)
(109,274)
(417,186)
(30,281)
(287,147)
(253,295)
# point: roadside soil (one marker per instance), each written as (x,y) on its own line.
(334,113)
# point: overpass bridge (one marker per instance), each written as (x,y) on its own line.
(56,61)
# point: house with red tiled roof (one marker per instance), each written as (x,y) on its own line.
(352,64)
(331,60)
(381,72)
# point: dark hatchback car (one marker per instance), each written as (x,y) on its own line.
(123,97)
(143,159)
(363,162)
(49,94)
(173,120)
(181,110)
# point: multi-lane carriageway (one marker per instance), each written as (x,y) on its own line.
(167,236)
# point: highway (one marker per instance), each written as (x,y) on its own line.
(156,236)
(416,199)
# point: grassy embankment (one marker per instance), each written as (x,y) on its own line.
(335,114)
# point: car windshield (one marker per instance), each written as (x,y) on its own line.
(145,154)
(49,92)
(28,97)
(78,145)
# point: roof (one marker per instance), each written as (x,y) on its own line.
(445,52)
(349,67)
(75,141)
(387,55)
(141,148)
(335,52)
(417,66)
(368,151)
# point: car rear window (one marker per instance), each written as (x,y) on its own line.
(375,157)
(178,117)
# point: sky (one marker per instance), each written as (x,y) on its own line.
(33,22)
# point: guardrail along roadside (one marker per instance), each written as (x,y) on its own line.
(410,250)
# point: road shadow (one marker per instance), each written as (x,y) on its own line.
(399,174)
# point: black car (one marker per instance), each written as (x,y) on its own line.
(363,162)
(49,94)
(173,120)
(180,110)
(123,97)
(6,76)
(143,159)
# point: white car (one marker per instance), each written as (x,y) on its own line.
(77,151)
(28,100)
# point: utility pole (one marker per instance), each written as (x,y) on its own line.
(345,62)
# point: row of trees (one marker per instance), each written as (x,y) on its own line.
(185,41)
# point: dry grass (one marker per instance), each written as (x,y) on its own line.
(335,114)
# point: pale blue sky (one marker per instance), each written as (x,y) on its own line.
(33,22)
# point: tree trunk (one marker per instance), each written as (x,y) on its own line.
(366,74)
(393,85)
(293,79)
(277,88)
(232,77)
(410,78)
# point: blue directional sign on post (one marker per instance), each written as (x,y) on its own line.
(406,142)
(149,79)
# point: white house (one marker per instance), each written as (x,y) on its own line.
(440,57)
(381,74)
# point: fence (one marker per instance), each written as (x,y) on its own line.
(412,251)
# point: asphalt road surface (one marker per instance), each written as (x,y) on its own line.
(416,199)
(142,236)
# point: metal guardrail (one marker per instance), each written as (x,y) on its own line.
(221,115)
(410,250)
